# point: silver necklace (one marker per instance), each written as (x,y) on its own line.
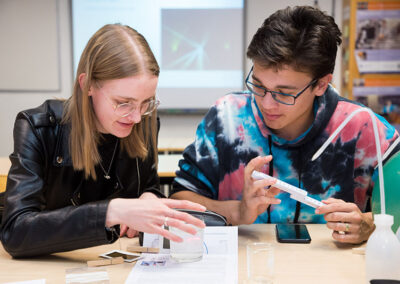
(107,173)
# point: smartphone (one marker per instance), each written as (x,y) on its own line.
(292,233)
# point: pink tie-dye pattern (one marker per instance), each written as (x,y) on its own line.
(259,120)
(240,132)
(366,148)
(342,111)
(362,123)
(231,187)
(238,100)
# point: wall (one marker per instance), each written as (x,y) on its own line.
(29,48)
(259,10)
(14,101)
(176,130)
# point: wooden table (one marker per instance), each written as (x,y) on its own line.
(168,165)
(322,261)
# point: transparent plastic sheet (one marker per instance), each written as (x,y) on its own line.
(93,275)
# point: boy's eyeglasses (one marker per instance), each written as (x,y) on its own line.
(282,98)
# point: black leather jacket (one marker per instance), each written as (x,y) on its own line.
(41,213)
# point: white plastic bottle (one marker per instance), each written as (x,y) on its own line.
(382,255)
(398,233)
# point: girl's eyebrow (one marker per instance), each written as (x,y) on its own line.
(278,86)
(125,98)
(132,99)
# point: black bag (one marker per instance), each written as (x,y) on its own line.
(210,218)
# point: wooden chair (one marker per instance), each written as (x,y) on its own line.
(4,168)
(3,182)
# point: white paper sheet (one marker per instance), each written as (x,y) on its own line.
(219,263)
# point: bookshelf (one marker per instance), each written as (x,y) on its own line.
(371,55)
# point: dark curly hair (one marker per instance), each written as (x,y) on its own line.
(302,37)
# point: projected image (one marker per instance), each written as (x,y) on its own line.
(197,43)
(209,39)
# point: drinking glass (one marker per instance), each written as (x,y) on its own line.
(260,262)
(191,249)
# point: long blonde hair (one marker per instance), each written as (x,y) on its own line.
(113,52)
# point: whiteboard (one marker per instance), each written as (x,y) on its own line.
(29,53)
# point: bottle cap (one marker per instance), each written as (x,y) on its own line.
(383,219)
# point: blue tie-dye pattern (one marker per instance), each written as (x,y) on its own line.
(390,130)
(243,116)
(308,215)
(250,126)
(195,172)
(262,218)
(324,183)
(207,138)
(235,114)
(285,212)
(330,192)
(375,175)
(283,166)
(258,140)
(282,141)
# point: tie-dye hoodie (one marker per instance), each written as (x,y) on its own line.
(233,132)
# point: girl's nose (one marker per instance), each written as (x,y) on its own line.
(135,116)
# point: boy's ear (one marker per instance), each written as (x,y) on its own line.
(322,84)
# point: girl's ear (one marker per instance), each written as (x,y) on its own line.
(322,84)
(82,82)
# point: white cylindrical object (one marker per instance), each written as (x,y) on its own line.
(382,255)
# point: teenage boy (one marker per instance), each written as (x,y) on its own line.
(289,111)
